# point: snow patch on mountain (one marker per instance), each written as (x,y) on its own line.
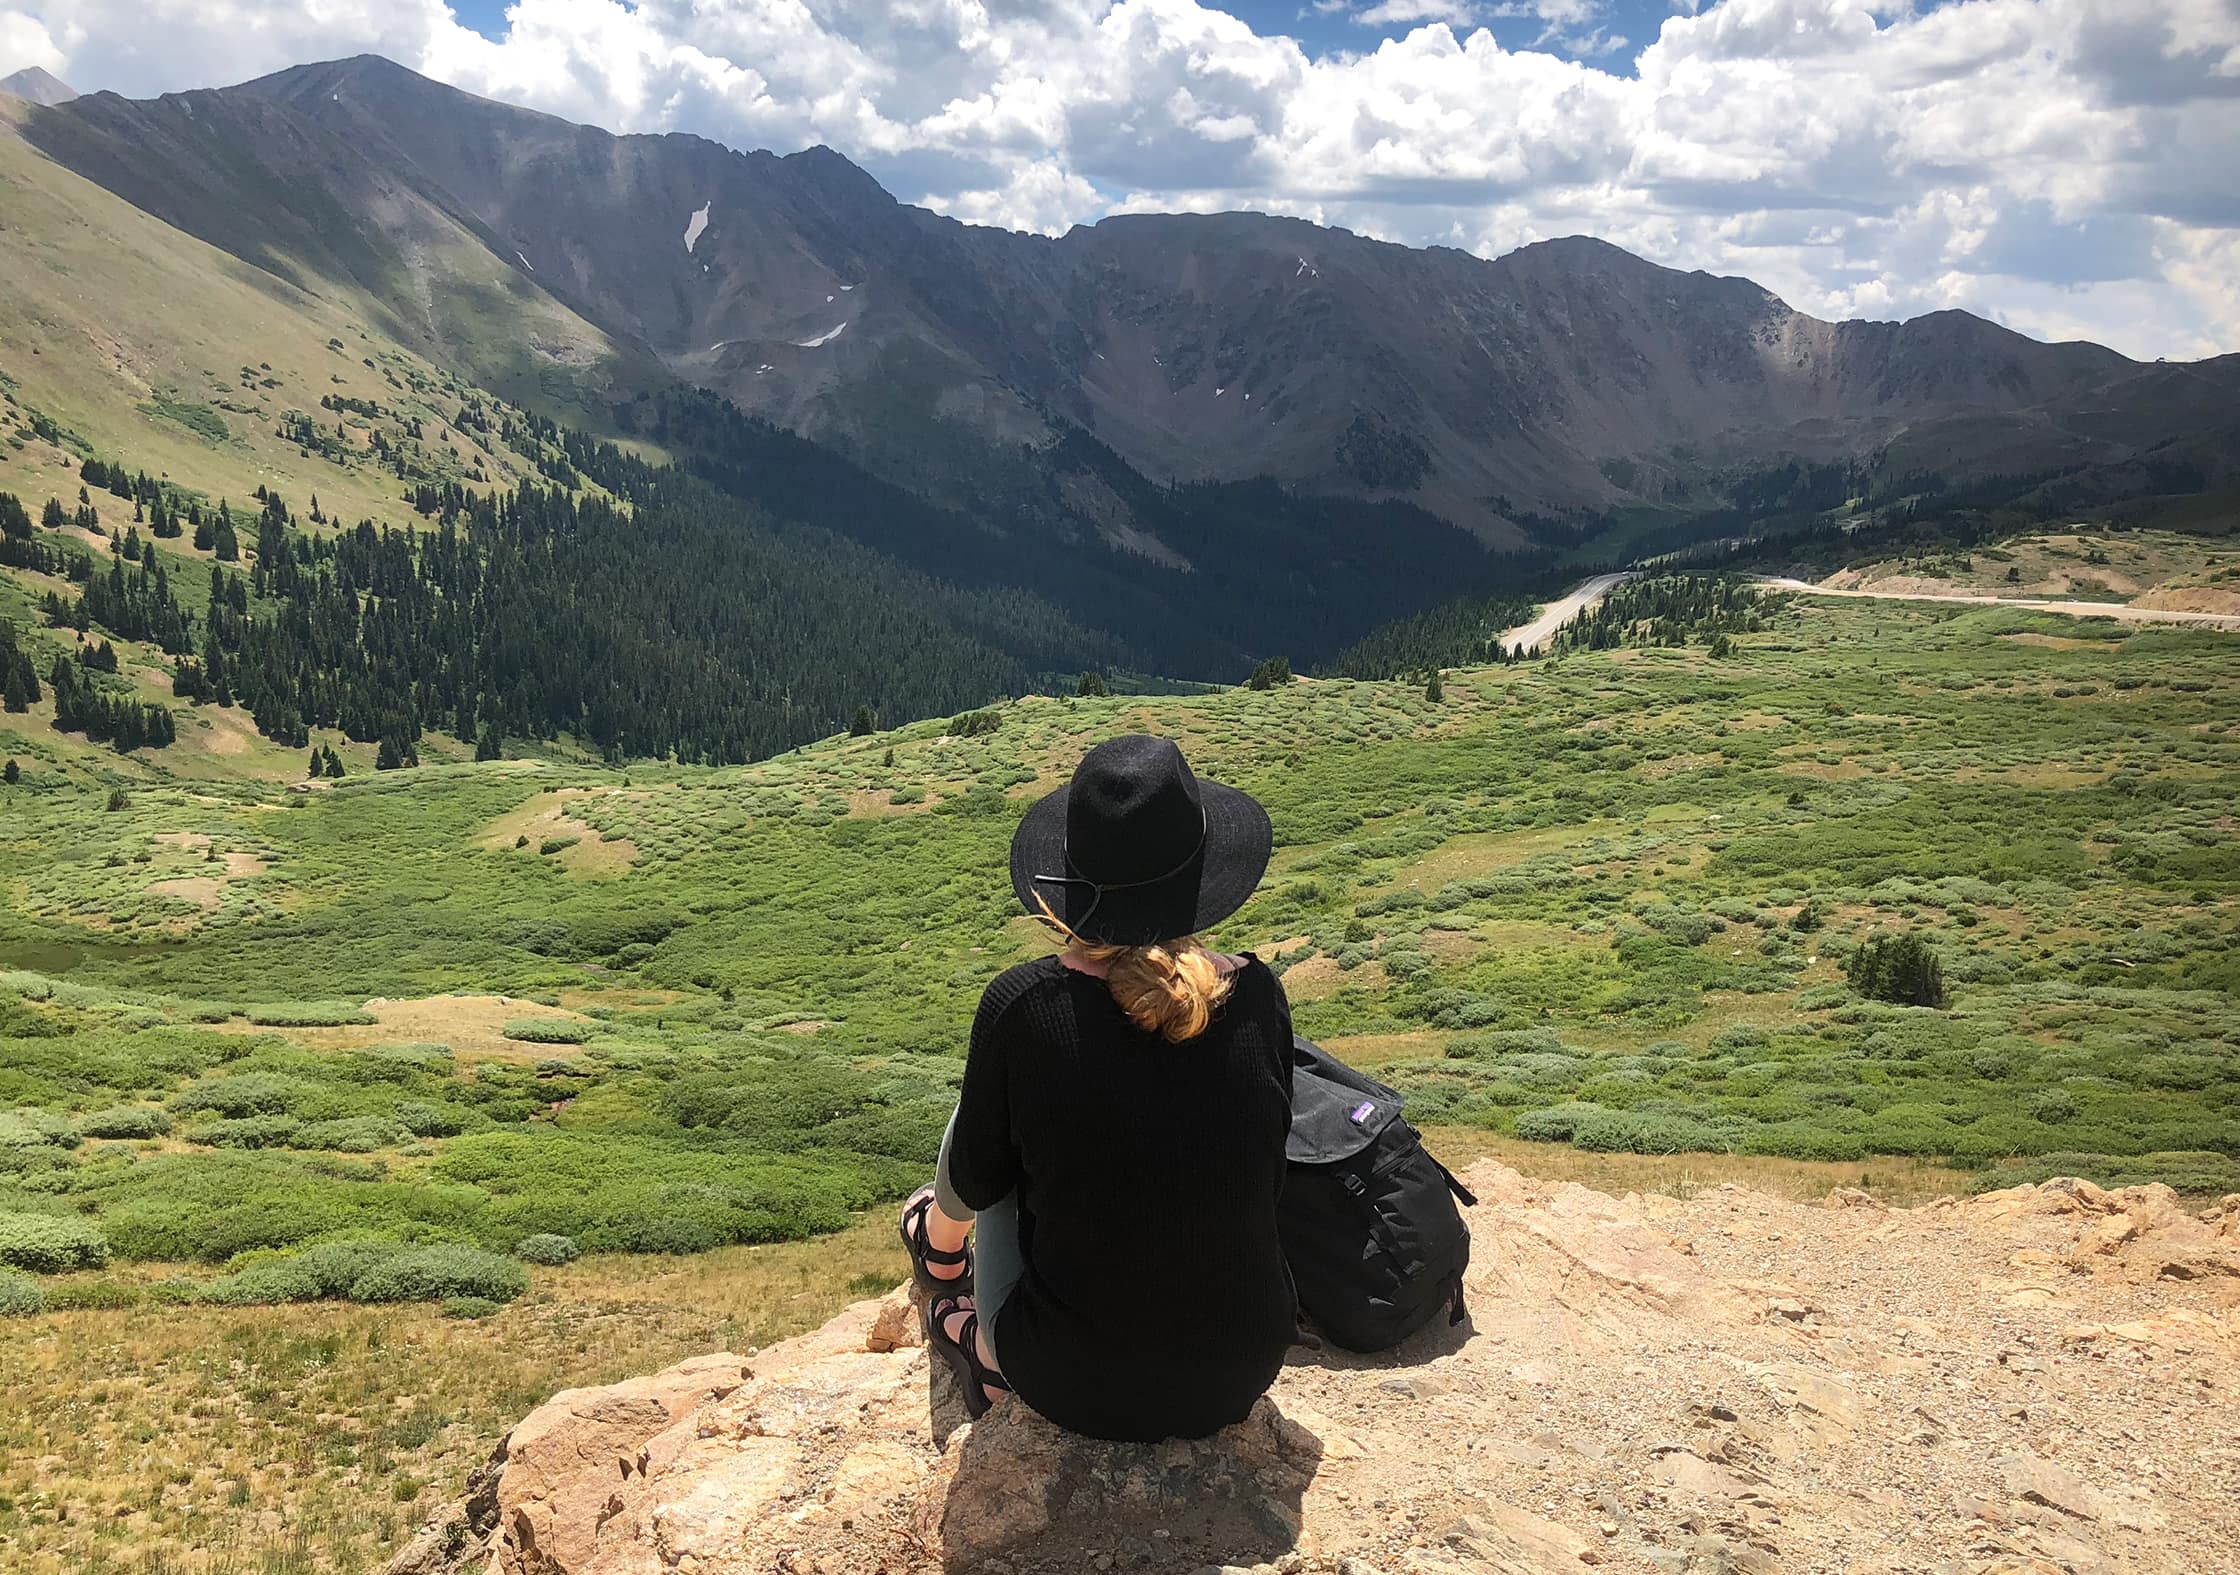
(698,223)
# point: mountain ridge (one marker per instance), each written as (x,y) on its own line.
(1564,379)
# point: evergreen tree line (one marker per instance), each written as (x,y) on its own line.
(124,720)
(1670,610)
(1463,633)
(670,625)
(19,676)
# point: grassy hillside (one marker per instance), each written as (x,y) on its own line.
(2153,568)
(130,339)
(1596,909)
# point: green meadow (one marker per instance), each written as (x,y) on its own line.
(416,1066)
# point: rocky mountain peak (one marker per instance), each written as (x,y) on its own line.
(39,86)
(2029,1380)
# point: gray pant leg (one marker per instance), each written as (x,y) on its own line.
(997,1262)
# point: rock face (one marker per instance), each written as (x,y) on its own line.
(2035,1380)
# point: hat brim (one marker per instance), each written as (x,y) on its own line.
(1239,840)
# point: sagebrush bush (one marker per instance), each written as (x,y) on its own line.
(471,1307)
(20,1295)
(92,1295)
(426,1120)
(241,1094)
(1555,1124)
(421,1274)
(125,1121)
(251,1132)
(51,1244)
(29,1128)
(349,1134)
(547,1247)
(309,1014)
(547,1031)
(1643,1132)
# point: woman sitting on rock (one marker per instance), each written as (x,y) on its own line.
(1121,1128)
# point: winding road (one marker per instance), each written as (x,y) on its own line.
(1587,593)
(2121,610)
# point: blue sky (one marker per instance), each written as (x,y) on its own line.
(1612,30)
(2060,166)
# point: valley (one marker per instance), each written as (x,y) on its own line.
(1594,908)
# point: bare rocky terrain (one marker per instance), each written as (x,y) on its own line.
(2035,1380)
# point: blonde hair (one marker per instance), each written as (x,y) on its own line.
(1170,988)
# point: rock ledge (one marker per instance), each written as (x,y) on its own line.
(2035,1380)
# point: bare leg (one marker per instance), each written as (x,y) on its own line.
(944,1234)
(953,1327)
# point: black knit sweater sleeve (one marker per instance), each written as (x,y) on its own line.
(983,1158)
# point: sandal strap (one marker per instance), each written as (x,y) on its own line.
(967,1340)
(914,1230)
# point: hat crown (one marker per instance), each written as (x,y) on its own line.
(1135,812)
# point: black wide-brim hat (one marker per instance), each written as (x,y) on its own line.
(1138,849)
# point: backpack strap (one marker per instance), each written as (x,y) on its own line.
(1458,1311)
(1469,1198)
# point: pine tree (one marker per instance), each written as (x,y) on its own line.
(334,764)
(1435,691)
(11,773)
(52,516)
(863,724)
(491,745)
(1092,683)
(318,763)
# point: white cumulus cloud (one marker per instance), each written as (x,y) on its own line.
(2061,165)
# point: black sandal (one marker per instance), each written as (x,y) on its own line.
(923,1252)
(975,1377)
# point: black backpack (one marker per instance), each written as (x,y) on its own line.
(1368,1221)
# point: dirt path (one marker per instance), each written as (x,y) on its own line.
(2123,610)
(1586,594)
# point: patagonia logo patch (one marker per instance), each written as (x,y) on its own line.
(1362,1112)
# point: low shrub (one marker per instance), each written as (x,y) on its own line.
(50,1244)
(92,1296)
(425,1120)
(125,1121)
(1641,1132)
(547,1031)
(309,1014)
(547,1247)
(20,1295)
(1804,1140)
(29,1128)
(470,1307)
(370,1271)
(1556,1123)
(251,1132)
(241,1094)
(349,1134)
(322,1273)
(423,1274)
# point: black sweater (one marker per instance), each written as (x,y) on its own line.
(1156,1302)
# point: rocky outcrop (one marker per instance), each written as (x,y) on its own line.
(2035,1380)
